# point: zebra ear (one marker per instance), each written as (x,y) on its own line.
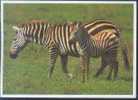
(16,28)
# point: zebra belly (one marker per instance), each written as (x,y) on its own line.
(71,50)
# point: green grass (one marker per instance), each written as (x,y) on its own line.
(28,73)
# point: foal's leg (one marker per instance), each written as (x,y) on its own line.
(87,64)
(103,65)
(113,65)
(110,72)
(116,70)
(83,67)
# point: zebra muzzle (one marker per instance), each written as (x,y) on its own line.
(13,54)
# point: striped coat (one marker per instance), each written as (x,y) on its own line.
(55,37)
(104,44)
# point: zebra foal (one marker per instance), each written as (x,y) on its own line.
(104,44)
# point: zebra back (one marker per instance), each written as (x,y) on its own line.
(96,26)
(40,31)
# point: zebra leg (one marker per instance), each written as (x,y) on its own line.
(100,70)
(114,66)
(116,71)
(82,64)
(110,72)
(64,61)
(87,66)
(52,60)
(84,67)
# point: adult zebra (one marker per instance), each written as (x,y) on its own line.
(55,37)
(104,44)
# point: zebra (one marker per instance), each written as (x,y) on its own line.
(104,44)
(54,37)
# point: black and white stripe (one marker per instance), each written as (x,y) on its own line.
(104,43)
(55,37)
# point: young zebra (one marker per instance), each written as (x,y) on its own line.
(54,37)
(104,44)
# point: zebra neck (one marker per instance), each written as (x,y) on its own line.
(44,41)
(87,45)
(83,45)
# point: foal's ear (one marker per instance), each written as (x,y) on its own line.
(16,28)
(83,29)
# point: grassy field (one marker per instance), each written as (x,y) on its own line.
(28,73)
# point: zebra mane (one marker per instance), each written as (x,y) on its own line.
(65,23)
(31,22)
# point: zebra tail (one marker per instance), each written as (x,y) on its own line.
(125,56)
(124,50)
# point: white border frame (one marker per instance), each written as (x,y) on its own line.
(71,96)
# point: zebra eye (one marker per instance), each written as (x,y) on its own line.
(15,47)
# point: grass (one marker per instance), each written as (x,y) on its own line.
(28,73)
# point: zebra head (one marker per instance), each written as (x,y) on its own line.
(18,42)
(78,34)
